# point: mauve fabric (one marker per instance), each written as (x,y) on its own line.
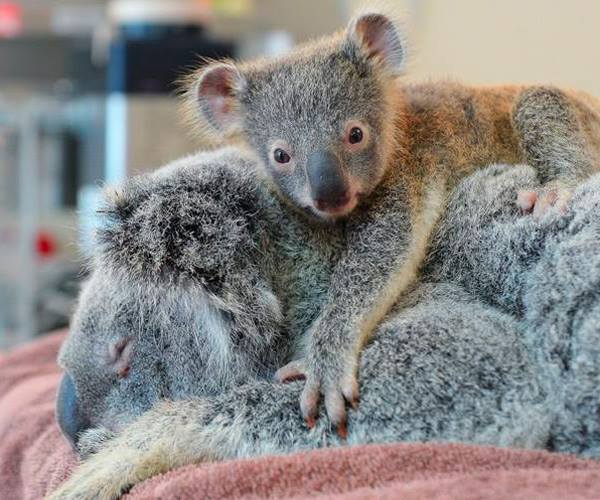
(34,459)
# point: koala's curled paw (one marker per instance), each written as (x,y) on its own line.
(105,475)
(93,440)
(540,203)
(337,385)
(294,370)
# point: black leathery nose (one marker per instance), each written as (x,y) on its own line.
(327,181)
(68,415)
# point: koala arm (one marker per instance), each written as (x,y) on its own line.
(431,364)
(385,248)
(239,423)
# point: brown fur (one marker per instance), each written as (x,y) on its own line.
(448,130)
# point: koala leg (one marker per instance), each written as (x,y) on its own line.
(443,368)
(170,435)
(554,131)
(560,136)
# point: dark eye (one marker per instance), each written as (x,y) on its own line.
(281,156)
(356,135)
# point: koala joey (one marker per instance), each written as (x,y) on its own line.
(340,136)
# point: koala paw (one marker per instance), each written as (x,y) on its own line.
(106,474)
(338,387)
(93,440)
(294,370)
(538,204)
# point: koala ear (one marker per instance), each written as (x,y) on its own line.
(120,355)
(378,37)
(216,91)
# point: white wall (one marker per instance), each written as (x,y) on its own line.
(498,41)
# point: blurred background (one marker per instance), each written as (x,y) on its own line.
(87,96)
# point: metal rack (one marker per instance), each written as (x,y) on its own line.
(38,218)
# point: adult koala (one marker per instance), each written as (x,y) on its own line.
(202,279)
(198,279)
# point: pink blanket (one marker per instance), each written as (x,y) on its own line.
(34,459)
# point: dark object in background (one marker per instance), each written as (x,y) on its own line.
(68,123)
(39,61)
(149,59)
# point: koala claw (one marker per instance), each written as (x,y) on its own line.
(540,203)
(350,391)
(309,402)
(336,395)
(526,201)
(342,431)
(93,440)
(294,370)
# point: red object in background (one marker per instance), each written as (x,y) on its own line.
(45,244)
(11,19)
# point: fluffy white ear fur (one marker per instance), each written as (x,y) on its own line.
(216,91)
(379,38)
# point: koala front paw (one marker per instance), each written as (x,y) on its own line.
(338,385)
(541,203)
(106,474)
(93,440)
(294,370)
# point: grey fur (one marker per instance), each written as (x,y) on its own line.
(498,344)
(207,274)
(214,280)
(545,121)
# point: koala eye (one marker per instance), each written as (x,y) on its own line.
(281,156)
(355,136)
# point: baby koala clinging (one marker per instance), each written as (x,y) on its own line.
(341,138)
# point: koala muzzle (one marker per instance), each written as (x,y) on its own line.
(68,414)
(328,185)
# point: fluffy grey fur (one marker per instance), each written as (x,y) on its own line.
(497,344)
(545,122)
(206,275)
(545,273)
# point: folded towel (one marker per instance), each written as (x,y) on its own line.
(35,459)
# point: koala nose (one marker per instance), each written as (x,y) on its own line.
(328,185)
(332,204)
(70,420)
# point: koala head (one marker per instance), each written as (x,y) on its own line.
(110,374)
(320,119)
(178,303)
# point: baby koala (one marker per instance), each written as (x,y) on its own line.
(344,141)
